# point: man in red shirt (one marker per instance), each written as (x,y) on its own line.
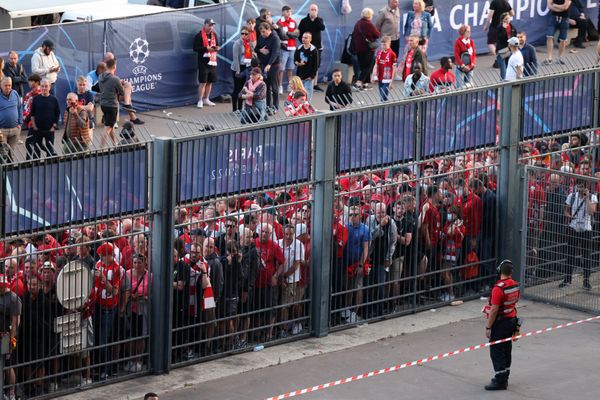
(430,224)
(443,79)
(270,270)
(502,323)
(471,209)
(107,280)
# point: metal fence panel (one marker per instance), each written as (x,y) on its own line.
(563,232)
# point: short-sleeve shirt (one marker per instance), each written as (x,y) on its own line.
(292,253)
(85,99)
(385,65)
(581,220)
(10,306)
(357,235)
(112,273)
(497,298)
(271,255)
(433,220)
(515,60)
(499,7)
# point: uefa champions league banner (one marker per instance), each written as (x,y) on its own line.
(557,105)
(460,122)
(244,161)
(74,190)
(376,137)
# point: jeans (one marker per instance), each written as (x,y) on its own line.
(308,85)
(238,84)
(34,144)
(501,65)
(107,320)
(257,112)
(384,91)
(463,78)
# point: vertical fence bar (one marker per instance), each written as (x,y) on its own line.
(509,179)
(595,111)
(164,172)
(325,137)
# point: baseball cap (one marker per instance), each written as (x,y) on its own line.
(513,41)
(209,21)
(48,264)
(4,281)
(48,43)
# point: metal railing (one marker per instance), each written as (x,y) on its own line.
(289,195)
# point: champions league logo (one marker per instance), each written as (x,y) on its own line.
(139,52)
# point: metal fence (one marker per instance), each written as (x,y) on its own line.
(232,239)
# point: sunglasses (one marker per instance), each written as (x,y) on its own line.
(244,33)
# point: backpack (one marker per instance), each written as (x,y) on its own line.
(348,50)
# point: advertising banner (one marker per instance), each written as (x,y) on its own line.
(71,191)
(241,162)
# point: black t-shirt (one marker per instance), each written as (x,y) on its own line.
(499,7)
(560,13)
(404,226)
(380,246)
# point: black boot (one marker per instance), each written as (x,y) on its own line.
(496,385)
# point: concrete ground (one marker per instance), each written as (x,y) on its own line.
(555,365)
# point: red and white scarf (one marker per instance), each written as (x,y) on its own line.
(252,87)
(211,55)
(247,60)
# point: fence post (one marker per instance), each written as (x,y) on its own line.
(324,164)
(595,113)
(510,185)
(164,172)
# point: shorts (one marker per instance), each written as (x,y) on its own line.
(87,333)
(245,307)
(354,282)
(207,73)
(292,293)
(396,269)
(227,308)
(560,23)
(263,298)
(492,35)
(287,60)
(110,115)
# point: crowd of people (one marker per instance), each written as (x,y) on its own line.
(38,112)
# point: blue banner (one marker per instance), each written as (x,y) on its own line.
(71,191)
(376,137)
(556,105)
(460,122)
(245,161)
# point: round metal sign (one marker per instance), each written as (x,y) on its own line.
(74,285)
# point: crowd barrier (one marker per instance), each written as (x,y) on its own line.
(230,240)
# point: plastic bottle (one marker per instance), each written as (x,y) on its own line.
(258,347)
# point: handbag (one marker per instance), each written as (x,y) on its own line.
(465,58)
(372,45)
(504,53)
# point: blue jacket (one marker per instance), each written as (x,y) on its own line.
(11,110)
(426,27)
(530,61)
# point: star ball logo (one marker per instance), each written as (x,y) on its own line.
(139,51)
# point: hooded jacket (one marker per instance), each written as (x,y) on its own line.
(41,64)
(110,89)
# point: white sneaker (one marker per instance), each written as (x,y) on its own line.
(199,104)
(280,89)
(52,387)
(297,328)
(137,367)
(208,102)
(353,317)
(86,381)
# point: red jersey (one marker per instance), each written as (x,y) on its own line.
(536,200)
(271,256)
(407,70)
(472,213)
(452,241)
(431,217)
(112,273)
(441,78)
(385,61)
(340,235)
(289,25)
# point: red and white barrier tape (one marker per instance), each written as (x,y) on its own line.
(424,360)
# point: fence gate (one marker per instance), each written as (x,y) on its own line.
(561,230)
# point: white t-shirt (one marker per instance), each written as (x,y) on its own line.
(515,60)
(292,253)
(581,221)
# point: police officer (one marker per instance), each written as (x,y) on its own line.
(502,323)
